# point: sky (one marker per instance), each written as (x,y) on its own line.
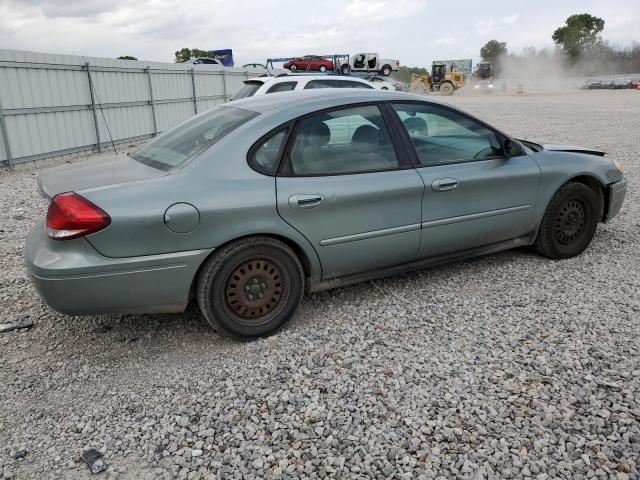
(414,31)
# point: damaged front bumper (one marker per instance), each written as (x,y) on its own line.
(616,193)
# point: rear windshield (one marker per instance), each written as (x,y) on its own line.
(191,137)
(247,90)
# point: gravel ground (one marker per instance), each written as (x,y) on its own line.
(507,366)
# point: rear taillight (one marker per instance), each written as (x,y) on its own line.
(72,216)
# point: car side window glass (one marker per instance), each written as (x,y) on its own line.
(282,87)
(442,136)
(350,140)
(265,155)
(321,84)
(349,84)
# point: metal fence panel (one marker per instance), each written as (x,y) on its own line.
(58,104)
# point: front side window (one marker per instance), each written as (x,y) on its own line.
(264,156)
(442,136)
(191,137)
(247,90)
(282,87)
(350,140)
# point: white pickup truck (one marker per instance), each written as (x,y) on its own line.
(370,62)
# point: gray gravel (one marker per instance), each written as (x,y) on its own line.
(507,366)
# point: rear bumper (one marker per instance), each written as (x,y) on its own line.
(73,278)
(617,192)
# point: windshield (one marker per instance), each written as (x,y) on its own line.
(247,90)
(191,137)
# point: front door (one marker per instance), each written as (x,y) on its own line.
(474,194)
(347,188)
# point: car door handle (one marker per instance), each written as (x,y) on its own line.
(444,184)
(306,200)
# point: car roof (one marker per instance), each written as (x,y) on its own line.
(301,102)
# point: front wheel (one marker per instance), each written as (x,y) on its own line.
(293,67)
(570,222)
(250,288)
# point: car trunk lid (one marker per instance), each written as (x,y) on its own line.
(99,172)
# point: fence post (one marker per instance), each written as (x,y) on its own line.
(195,99)
(224,86)
(5,138)
(153,105)
(93,107)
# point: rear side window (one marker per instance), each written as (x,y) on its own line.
(282,87)
(192,137)
(264,156)
(322,84)
(335,84)
(350,84)
(247,90)
(350,140)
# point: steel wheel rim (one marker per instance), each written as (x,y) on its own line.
(570,222)
(255,291)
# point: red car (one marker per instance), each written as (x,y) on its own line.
(309,62)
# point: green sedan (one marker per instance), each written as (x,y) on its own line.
(247,206)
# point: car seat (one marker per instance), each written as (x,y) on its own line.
(365,144)
(314,156)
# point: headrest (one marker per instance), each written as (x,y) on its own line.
(365,139)
(417,124)
(319,134)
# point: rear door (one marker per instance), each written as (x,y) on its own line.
(350,191)
(474,194)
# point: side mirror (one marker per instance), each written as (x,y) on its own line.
(513,148)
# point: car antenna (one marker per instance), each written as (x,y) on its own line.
(99,105)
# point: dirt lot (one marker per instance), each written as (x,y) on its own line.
(501,367)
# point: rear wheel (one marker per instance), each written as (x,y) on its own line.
(323,68)
(570,222)
(250,288)
(446,88)
(345,69)
(386,70)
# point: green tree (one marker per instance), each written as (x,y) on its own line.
(493,51)
(580,33)
(185,54)
(127,57)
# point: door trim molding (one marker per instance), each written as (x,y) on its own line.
(473,216)
(315,286)
(367,235)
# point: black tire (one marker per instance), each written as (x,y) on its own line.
(384,88)
(323,68)
(250,288)
(345,69)
(446,88)
(569,222)
(293,67)
(386,70)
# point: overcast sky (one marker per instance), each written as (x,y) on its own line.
(414,31)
